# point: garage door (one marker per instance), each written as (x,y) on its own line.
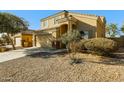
(18,41)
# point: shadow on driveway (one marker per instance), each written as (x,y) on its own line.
(45,53)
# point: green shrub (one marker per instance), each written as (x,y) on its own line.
(101,46)
(70,37)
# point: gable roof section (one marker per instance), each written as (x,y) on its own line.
(92,15)
(64,11)
(86,15)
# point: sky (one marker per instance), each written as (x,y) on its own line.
(34,16)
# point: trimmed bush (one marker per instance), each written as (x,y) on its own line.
(101,46)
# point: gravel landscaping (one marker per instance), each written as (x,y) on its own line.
(42,67)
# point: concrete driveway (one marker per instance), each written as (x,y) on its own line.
(14,54)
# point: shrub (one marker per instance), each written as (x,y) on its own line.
(74,46)
(71,40)
(70,36)
(78,46)
(101,46)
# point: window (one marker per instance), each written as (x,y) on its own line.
(56,18)
(86,34)
(45,23)
(54,21)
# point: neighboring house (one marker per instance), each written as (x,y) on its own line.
(93,26)
(24,39)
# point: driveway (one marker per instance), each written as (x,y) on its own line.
(14,54)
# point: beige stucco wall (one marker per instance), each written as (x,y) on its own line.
(94,24)
(100,31)
(54,34)
(86,23)
(90,20)
(38,41)
(43,41)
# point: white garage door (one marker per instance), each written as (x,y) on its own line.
(18,41)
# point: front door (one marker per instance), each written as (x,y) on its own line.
(63,30)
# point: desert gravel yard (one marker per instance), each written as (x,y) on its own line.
(55,67)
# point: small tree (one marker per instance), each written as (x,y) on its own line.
(112,29)
(71,39)
(70,36)
(122,28)
(11,24)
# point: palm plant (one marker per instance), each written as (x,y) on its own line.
(11,24)
(112,29)
(122,28)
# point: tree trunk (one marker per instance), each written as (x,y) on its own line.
(11,41)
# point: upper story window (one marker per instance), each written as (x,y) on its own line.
(45,23)
(57,18)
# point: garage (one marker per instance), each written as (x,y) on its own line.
(18,41)
(24,39)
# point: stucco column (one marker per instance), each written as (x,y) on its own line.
(34,40)
(70,26)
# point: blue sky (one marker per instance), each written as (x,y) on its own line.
(34,16)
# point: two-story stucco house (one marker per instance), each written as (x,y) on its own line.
(93,26)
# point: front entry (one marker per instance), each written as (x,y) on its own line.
(62,30)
